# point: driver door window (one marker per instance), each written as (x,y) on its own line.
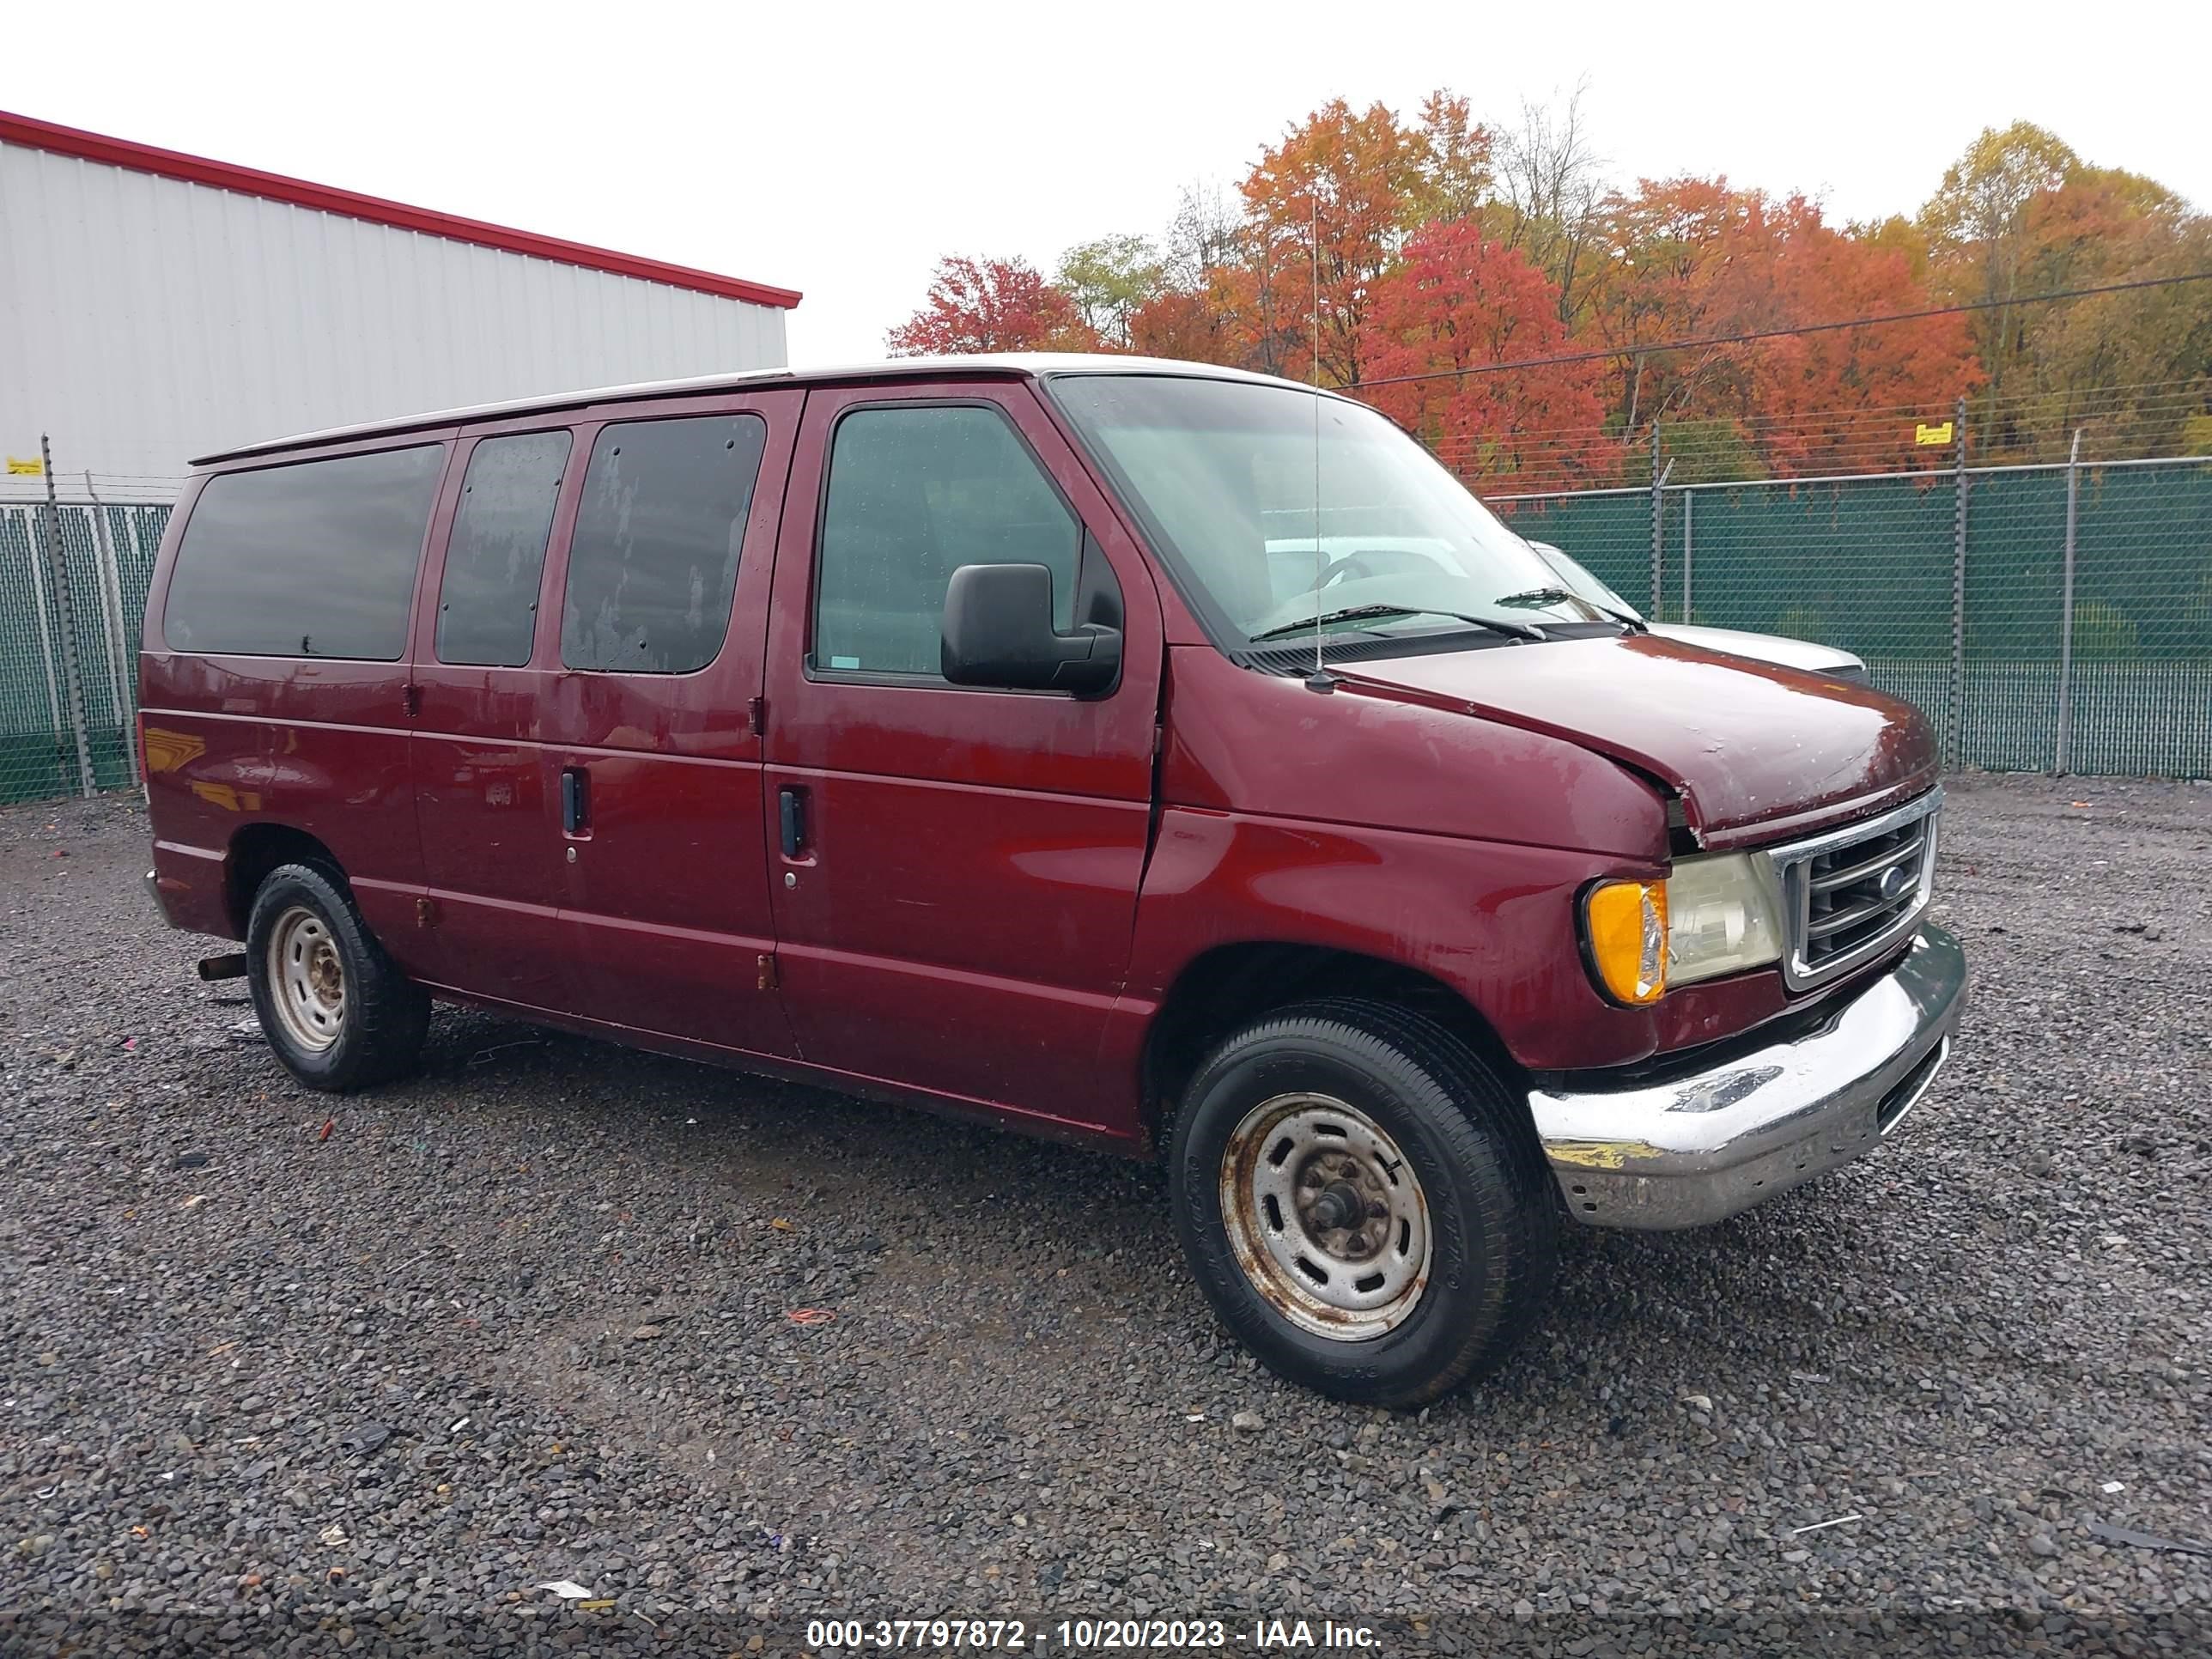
(914,493)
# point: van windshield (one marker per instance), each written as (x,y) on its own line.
(1380,540)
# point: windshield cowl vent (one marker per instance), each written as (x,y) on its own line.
(1294,658)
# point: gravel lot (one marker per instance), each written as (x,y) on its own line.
(294,1375)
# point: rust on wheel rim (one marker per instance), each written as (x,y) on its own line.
(1326,1217)
(307,980)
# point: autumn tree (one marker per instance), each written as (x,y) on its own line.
(992,305)
(1456,174)
(1110,280)
(1193,313)
(1206,236)
(1183,323)
(2134,366)
(1667,251)
(1326,211)
(2021,213)
(1979,205)
(1364,246)
(1461,300)
(1698,259)
(1977,226)
(1548,192)
(1835,400)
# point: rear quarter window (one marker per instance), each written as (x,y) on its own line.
(316,559)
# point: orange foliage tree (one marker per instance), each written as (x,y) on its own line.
(1364,247)
(1847,398)
(1694,259)
(1364,181)
(992,305)
(1459,301)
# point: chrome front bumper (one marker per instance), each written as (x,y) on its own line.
(1699,1147)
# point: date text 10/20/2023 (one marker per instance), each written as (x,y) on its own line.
(1262,1635)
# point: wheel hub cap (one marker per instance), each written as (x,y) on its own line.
(1326,1217)
(307,980)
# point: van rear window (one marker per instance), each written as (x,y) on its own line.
(316,559)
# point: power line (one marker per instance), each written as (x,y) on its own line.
(1781,333)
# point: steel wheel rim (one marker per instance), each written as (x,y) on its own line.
(1326,1217)
(307,980)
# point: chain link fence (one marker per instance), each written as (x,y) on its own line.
(2048,617)
(73,583)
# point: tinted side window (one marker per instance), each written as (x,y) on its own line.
(912,495)
(488,599)
(654,561)
(316,559)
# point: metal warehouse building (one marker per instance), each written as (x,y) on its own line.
(154,307)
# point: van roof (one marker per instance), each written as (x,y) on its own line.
(1020,365)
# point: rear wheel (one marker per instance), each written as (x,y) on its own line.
(336,1009)
(1362,1202)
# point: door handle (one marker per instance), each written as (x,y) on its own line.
(575,800)
(791,808)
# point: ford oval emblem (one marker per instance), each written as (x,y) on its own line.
(1896,882)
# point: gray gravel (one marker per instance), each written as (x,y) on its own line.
(282,1373)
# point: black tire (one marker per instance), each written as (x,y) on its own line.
(379,1035)
(1491,1213)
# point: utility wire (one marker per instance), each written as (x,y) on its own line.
(1633,350)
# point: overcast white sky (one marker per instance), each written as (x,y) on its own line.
(841,148)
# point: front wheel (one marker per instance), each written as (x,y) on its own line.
(335,1008)
(1362,1203)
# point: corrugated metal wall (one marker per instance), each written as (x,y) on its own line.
(144,321)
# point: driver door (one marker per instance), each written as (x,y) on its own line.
(954,869)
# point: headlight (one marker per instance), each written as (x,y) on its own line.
(1625,925)
(1713,915)
(1723,914)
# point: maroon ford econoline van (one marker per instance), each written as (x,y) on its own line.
(1173,758)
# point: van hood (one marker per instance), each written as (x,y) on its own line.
(1755,751)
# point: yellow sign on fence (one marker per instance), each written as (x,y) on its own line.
(1926,433)
(18,468)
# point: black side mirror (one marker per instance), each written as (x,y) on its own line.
(998,632)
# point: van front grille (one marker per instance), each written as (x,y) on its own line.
(1850,894)
(1857,892)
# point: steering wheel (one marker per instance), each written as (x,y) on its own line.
(1351,565)
(1377,562)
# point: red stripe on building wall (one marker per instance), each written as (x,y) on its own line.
(275,187)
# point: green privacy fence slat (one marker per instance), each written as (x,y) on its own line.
(1828,561)
(107,558)
(1867,564)
(36,753)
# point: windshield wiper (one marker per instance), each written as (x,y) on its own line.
(1354,613)
(1554,595)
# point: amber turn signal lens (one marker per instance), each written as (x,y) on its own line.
(1625,922)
